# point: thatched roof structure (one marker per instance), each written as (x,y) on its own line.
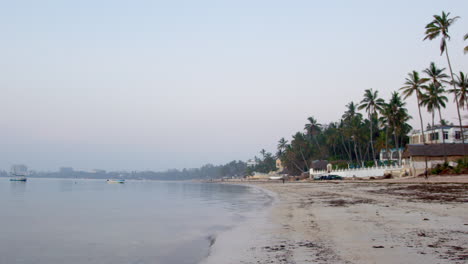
(435,150)
(319,164)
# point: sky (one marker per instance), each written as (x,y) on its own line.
(154,85)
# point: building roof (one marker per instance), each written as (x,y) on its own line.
(435,150)
(418,131)
(319,164)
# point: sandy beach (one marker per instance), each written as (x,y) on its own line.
(392,221)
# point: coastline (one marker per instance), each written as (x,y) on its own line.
(353,222)
(240,243)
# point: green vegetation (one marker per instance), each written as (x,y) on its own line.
(356,141)
(460,168)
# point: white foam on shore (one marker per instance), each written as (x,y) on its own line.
(243,243)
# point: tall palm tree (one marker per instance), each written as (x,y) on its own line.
(371,103)
(461,92)
(439,27)
(414,84)
(352,122)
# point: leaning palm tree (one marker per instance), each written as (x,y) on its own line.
(372,104)
(439,27)
(414,84)
(461,90)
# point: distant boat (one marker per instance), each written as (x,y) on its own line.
(115,181)
(19,173)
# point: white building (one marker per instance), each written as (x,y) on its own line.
(251,163)
(451,134)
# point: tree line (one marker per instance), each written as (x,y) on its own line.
(357,138)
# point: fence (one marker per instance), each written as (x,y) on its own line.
(358,172)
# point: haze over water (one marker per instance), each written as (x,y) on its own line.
(88,221)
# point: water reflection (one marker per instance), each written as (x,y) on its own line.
(18,187)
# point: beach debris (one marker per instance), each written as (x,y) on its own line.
(378,246)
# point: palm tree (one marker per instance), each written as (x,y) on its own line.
(313,128)
(414,85)
(398,117)
(436,75)
(352,121)
(351,112)
(434,99)
(372,104)
(462,91)
(439,27)
(386,121)
(282,144)
(263,152)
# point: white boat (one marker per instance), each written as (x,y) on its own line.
(275,177)
(19,173)
(115,181)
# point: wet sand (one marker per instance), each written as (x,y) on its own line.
(397,221)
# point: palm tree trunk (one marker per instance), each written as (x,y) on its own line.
(420,118)
(355,151)
(395,136)
(303,158)
(318,147)
(372,142)
(443,137)
(424,137)
(346,149)
(432,125)
(456,100)
(386,144)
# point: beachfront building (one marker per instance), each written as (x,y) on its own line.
(415,156)
(437,134)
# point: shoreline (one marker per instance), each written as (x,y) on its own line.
(355,222)
(240,243)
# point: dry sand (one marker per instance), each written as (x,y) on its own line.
(354,222)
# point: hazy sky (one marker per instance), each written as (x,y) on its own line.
(170,84)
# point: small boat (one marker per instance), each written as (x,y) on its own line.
(275,177)
(19,178)
(115,181)
(18,173)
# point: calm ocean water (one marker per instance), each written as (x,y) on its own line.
(48,221)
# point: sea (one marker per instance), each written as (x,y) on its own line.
(48,221)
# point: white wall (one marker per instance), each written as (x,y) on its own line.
(363,172)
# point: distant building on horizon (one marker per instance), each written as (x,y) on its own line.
(251,163)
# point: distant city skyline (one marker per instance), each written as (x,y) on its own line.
(154,85)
